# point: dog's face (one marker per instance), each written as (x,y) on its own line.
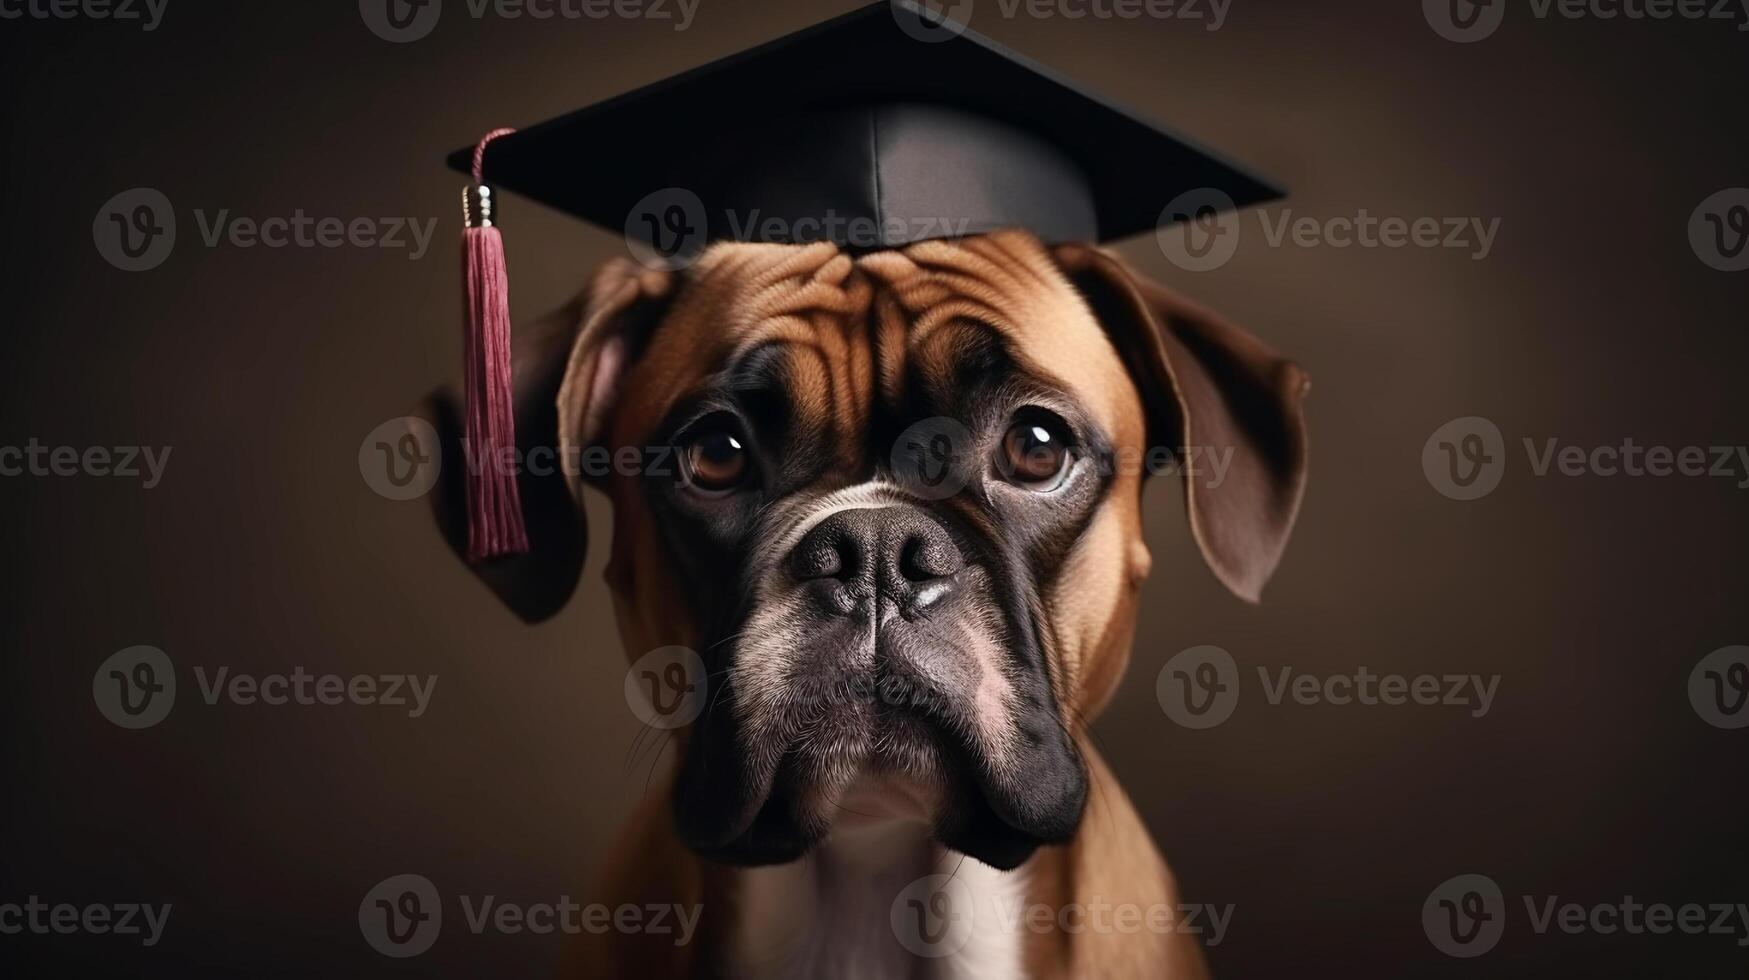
(889,473)
(901,527)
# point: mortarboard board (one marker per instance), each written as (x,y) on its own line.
(881,114)
(882,127)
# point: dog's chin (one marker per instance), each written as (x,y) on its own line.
(900,770)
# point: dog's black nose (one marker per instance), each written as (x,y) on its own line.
(899,552)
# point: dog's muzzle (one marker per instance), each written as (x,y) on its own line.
(884,640)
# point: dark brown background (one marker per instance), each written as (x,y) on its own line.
(1326,826)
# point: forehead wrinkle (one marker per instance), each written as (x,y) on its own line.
(731,299)
(1008,270)
(794,345)
(844,414)
(942,348)
(963,264)
(745,284)
(1007,299)
(794,280)
(945,315)
(826,390)
(1024,380)
(1052,333)
(793,261)
(855,387)
(1022,255)
(755,266)
(792,299)
(945,280)
(889,340)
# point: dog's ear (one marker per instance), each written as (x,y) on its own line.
(566,369)
(1213,387)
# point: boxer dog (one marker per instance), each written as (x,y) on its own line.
(903,534)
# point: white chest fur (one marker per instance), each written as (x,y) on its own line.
(879,903)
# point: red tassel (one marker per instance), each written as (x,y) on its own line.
(494,506)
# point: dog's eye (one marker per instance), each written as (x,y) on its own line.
(716,457)
(1035,454)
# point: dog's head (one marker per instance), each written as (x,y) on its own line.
(893,502)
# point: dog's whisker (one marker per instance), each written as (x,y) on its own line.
(846,809)
(655,759)
(956,870)
(633,750)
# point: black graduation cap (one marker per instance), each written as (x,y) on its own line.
(881,127)
(886,126)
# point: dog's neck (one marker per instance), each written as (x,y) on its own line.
(841,910)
